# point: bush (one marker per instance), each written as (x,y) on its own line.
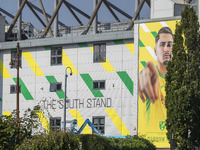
(91,142)
(69,141)
(53,141)
(133,143)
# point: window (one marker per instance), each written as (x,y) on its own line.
(99,53)
(56,56)
(99,123)
(14,58)
(99,84)
(13,89)
(54,87)
(178,8)
(55,123)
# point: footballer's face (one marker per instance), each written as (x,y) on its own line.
(163,49)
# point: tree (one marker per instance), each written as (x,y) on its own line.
(9,132)
(183,83)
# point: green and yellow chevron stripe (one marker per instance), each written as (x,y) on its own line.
(89,82)
(25,92)
(4,72)
(43,119)
(38,72)
(109,68)
(52,79)
(117,121)
(6,75)
(67,63)
(126,80)
(130,46)
(32,63)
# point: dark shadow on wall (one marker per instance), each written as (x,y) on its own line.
(1,84)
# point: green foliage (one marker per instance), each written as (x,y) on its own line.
(11,135)
(183,83)
(52,141)
(30,139)
(91,142)
(133,143)
(69,141)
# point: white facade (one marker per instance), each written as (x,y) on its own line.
(162,8)
(170,8)
(117,102)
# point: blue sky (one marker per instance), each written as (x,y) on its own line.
(66,17)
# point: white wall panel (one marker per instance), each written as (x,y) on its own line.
(115,90)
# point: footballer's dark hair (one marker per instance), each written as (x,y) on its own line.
(166,30)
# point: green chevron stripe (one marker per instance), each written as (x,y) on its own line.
(141,44)
(118,41)
(25,92)
(89,82)
(127,80)
(47,47)
(154,33)
(143,63)
(52,79)
(82,45)
(0,99)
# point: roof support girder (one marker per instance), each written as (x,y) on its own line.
(34,12)
(52,18)
(119,10)
(111,11)
(136,14)
(148,2)
(49,16)
(72,12)
(7,13)
(93,16)
(15,18)
(45,16)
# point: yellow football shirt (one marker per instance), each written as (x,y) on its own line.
(152,116)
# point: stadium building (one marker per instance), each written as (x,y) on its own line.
(99,62)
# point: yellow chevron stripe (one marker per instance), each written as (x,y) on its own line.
(32,63)
(117,121)
(43,119)
(7,113)
(4,72)
(76,115)
(67,63)
(106,65)
(172,25)
(154,26)
(92,48)
(130,47)
(144,55)
(147,38)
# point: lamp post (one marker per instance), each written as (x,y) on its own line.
(17,88)
(66,95)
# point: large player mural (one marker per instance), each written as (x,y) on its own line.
(155,51)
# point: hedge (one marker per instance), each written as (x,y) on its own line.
(69,141)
